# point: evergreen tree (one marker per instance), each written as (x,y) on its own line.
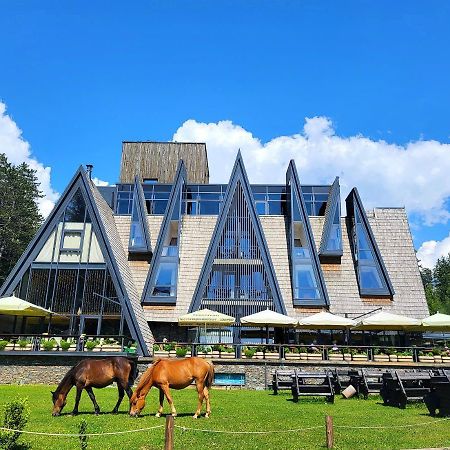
(437,285)
(19,214)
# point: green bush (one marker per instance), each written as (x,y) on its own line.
(65,345)
(204,349)
(169,347)
(229,349)
(249,352)
(49,345)
(90,345)
(302,350)
(3,344)
(16,417)
(436,352)
(82,428)
(181,352)
(155,347)
(23,343)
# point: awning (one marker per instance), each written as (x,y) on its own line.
(268,318)
(326,321)
(388,321)
(14,306)
(436,322)
(205,317)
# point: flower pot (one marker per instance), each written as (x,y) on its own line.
(359,357)
(172,354)
(335,357)
(393,358)
(381,358)
(9,347)
(303,356)
(438,359)
(403,358)
(347,357)
(292,356)
(426,359)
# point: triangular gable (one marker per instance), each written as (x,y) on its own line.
(308,284)
(81,184)
(139,241)
(331,242)
(166,255)
(238,243)
(373,278)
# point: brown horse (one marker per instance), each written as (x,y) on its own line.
(177,374)
(95,373)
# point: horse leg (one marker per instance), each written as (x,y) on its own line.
(119,401)
(94,401)
(161,401)
(77,400)
(200,392)
(208,404)
(165,388)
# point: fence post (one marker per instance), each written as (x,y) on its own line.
(329,431)
(168,441)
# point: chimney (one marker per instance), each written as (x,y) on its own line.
(89,168)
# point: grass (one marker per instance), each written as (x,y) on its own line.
(236,410)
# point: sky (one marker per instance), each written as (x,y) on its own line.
(355,89)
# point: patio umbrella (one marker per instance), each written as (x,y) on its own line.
(437,322)
(388,321)
(268,318)
(14,306)
(205,317)
(326,321)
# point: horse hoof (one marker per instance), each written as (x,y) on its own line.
(207,416)
(174,414)
(74,413)
(114,411)
(195,416)
(158,415)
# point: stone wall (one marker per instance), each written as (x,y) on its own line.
(50,369)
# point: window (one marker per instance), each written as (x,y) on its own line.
(72,240)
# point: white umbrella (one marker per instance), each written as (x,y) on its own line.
(326,321)
(268,318)
(388,321)
(205,317)
(437,322)
(14,306)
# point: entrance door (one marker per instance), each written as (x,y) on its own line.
(90,325)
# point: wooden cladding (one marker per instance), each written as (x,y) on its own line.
(159,161)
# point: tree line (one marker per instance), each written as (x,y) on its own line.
(436,282)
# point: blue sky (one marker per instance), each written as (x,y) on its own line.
(79,79)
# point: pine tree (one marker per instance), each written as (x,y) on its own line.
(19,213)
(437,285)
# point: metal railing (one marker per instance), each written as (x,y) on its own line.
(66,343)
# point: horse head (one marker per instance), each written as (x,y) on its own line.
(137,404)
(59,401)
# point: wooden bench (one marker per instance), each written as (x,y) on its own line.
(371,382)
(342,378)
(282,380)
(439,396)
(318,384)
(398,388)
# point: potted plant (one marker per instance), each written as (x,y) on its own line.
(347,353)
(181,352)
(271,353)
(426,357)
(445,356)
(437,355)
(227,352)
(204,351)
(48,345)
(216,351)
(3,344)
(110,345)
(259,352)
(303,352)
(159,352)
(359,355)
(380,355)
(65,345)
(249,352)
(335,354)
(90,345)
(314,354)
(291,353)
(392,354)
(24,344)
(405,356)
(171,348)
(130,348)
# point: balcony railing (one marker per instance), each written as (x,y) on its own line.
(311,353)
(71,343)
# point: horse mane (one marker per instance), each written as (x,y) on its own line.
(65,380)
(146,377)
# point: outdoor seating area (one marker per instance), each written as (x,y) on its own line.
(314,384)
(438,399)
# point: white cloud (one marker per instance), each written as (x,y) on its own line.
(414,175)
(99,182)
(17,151)
(430,251)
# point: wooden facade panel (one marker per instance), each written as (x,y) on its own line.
(159,160)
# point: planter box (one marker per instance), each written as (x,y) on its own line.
(215,354)
(426,359)
(381,358)
(226,355)
(438,359)
(404,358)
(72,348)
(292,356)
(446,359)
(111,348)
(248,357)
(24,349)
(347,357)
(272,355)
(393,358)
(303,356)
(335,357)
(259,355)
(359,357)
(314,357)
(161,354)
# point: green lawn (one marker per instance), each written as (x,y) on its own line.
(236,410)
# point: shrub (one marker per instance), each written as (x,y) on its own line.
(90,345)
(82,428)
(204,349)
(155,347)
(23,343)
(3,344)
(302,350)
(249,352)
(65,345)
(16,417)
(181,352)
(229,350)
(169,347)
(436,352)
(49,345)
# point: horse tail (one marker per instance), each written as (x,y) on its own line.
(209,377)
